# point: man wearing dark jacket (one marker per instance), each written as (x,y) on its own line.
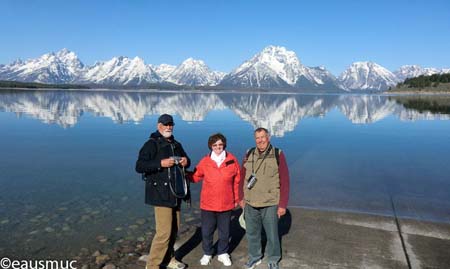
(157,160)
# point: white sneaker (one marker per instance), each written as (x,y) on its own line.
(225,259)
(206,259)
(174,264)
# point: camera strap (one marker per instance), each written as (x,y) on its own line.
(259,166)
(178,185)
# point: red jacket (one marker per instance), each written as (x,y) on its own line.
(220,190)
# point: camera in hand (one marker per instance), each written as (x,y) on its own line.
(251,181)
(177,159)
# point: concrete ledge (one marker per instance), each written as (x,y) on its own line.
(326,239)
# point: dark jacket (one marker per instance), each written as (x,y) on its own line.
(157,189)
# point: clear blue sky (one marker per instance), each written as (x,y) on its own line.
(224,33)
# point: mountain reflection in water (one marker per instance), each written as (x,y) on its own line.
(280,113)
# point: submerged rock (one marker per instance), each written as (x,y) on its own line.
(101,259)
(142,260)
(109,266)
(49,229)
(96,212)
(102,238)
(134,226)
(140,221)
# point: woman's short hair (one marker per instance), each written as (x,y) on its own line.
(216,137)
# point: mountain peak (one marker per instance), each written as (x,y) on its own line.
(64,51)
(363,64)
(274,49)
(192,72)
(410,71)
(193,62)
(276,66)
(367,75)
(164,70)
(122,71)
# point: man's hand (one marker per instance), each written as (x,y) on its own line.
(183,161)
(169,162)
(281,212)
(242,204)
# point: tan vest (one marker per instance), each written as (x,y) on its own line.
(266,191)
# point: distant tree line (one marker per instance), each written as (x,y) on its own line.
(425,81)
(34,85)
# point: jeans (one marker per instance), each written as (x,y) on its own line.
(257,218)
(211,220)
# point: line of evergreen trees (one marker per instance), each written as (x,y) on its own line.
(34,85)
(425,81)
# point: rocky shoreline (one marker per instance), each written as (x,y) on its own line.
(123,253)
(130,252)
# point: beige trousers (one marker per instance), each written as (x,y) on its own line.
(167,222)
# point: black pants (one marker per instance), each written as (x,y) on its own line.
(211,220)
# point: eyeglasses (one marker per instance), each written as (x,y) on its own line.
(217,145)
(168,124)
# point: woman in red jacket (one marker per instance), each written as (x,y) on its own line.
(220,173)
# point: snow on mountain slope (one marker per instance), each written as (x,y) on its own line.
(60,67)
(367,76)
(278,67)
(194,73)
(410,71)
(121,71)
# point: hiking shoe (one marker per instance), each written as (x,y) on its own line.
(225,259)
(206,259)
(273,266)
(174,264)
(252,264)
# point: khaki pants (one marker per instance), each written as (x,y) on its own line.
(167,222)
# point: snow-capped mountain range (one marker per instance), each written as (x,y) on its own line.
(274,67)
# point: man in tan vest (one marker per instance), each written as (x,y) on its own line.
(266,192)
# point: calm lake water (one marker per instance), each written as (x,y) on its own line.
(67,157)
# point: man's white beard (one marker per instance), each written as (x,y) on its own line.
(167,134)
